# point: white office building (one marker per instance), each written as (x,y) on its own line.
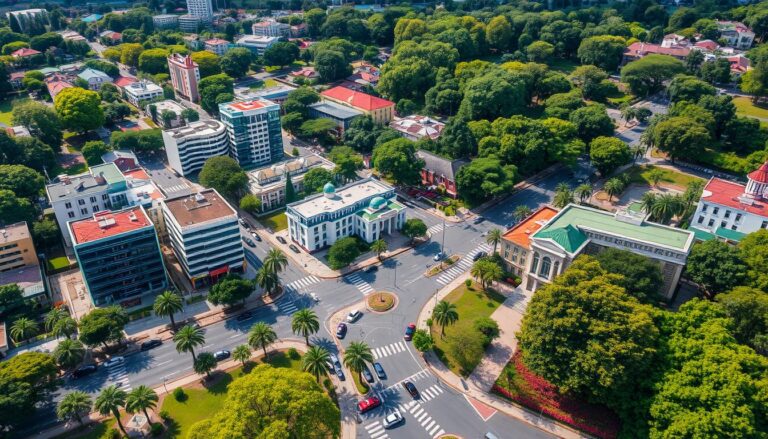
(204,235)
(256,44)
(189,147)
(167,106)
(141,92)
(189,23)
(165,21)
(268,183)
(366,208)
(271,28)
(201,9)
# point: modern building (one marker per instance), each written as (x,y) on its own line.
(189,23)
(217,46)
(366,208)
(139,93)
(124,160)
(516,242)
(94,78)
(18,261)
(418,127)
(268,183)
(26,20)
(165,21)
(202,9)
(277,94)
(341,114)
(271,28)
(119,257)
(440,171)
(185,76)
(380,110)
(256,44)
(737,34)
(190,146)
(255,135)
(205,236)
(167,106)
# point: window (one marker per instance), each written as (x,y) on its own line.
(764,225)
(738,217)
(704,209)
(556,271)
(701,219)
(727,214)
(535,263)
(93,199)
(68,205)
(733,227)
(546,265)
(711,223)
(715,210)
(84,211)
(71,214)
(723,223)
(81,202)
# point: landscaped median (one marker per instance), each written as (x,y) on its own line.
(381,301)
(443,265)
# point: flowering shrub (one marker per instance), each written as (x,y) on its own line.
(536,393)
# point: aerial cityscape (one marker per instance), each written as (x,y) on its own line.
(366,220)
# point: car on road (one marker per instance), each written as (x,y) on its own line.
(478,220)
(151,344)
(341,330)
(368,375)
(411,389)
(409,330)
(368,404)
(244,316)
(438,256)
(479,255)
(281,239)
(249,241)
(392,419)
(371,269)
(354,316)
(294,248)
(241,221)
(114,361)
(256,236)
(221,355)
(84,370)
(336,366)
(379,371)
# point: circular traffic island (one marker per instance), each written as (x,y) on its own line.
(381,301)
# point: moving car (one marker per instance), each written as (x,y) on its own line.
(438,256)
(341,330)
(114,361)
(479,255)
(244,316)
(368,375)
(150,344)
(281,239)
(294,248)
(478,220)
(337,366)
(256,236)
(221,355)
(249,241)
(84,370)
(393,419)
(411,389)
(409,330)
(354,316)
(379,371)
(368,404)
(241,221)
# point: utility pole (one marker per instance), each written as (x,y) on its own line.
(442,246)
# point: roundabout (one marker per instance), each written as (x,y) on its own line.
(381,302)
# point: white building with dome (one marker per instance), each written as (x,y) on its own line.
(366,208)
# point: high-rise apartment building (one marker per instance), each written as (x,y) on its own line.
(254,131)
(18,262)
(190,146)
(201,9)
(185,75)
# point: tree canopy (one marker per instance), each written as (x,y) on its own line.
(223,174)
(79,109)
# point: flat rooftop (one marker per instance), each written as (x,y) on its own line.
(199,208)
(336,110)
(29,278)
(201,128)
(14,232)
(521,233)
(168,105)
(107,224)
(344,197)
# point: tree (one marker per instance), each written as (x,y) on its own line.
(215,89)
(753,250)
(23,329)
(584,192)
(493,95)
(590,80)
(78,109)
(315,179)
(102,326)
(689,88)
(21,180)
(343,252)
(241,353)
(305,323)
(250,204)
(414,228)
(331,65)
(290,191)
(281,54)
(267,280)
(41,121)
(168,303)
(466,348)
(14,209)
(104,66)
(73,406)
(646,75)
(748,307)
(563,196)
(34,154)
(521,212)
(540,51)
(604,51)
(315,361)
(272,402)
(641,277)
(276,261)
(204,364)
(236,62)
(484,178)
(141,399)
(93,150)
(11,300)
(613,187)
(422,341)
(445,314)
(54,316)
(717,71)
(190,115)
(66,327)
(109,402)
(230,290)
(357,356)
(347,161)
(261,335)
(116,111)
(716,267)
(208,63)
(488,327)
(154,61)
(42,42)
(187,339)
(379,246)
(69,353)
(486,271)
(137,141)
(681,137)
(592,121)
(655,176)
(498,33)
(608,153)
(225,175)
(397,159)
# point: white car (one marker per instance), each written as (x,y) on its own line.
(114,361)
(354,315)
(393,419)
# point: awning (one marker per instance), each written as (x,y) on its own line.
(219,271)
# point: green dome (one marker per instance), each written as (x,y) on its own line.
(377,203)
(329,188)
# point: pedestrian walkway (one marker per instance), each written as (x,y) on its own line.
(431,392)
(388,350)
(304,282)
(376,430)
(434,230)
(425,420)
(118,376)
(463,265)
(287,304)
(362,286)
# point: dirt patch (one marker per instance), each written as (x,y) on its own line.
(381,301)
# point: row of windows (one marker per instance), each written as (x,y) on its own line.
(81,201)
(716,210)
(546,266)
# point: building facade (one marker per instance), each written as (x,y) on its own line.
(737,34)
(440,171)
(338,113)
(516,242)
(94,78)
(366,208)
(217,46)
(167,106)
(119,257)
(190,23)
(256,44)
(205,236)
(185,76)
(165,21)
(271,28)
(268,183)
(202,9)
(380,110)
(190,146)
(254,131)
(19,264)
(141,92)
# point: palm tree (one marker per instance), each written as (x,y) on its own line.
(584,192)
(53,316)
(315,361)
(487,272)
(140,399)
(69,353)
(647,201)
(187,339)
(242,353)
(267,279)
(166,304)
(205,363)
(445,314)
(73,406)
(23,329)
(305,323)
(638,151)
(665,207)
(109,401)
(262,335)
(275,261)
(656,175)
(67,326)
(356,356)
(563,196)
(613,187)
(494,237)
(379,246)
(521,212)
(627,113)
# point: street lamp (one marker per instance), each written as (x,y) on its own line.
(165,380)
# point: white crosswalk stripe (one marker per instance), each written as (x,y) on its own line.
(362,286)
(376,430)
(463,265)
(422,417)
(385,351)
(286,305)
(439,433)
(119,377)
(434,230)
(302,283)
(431,392)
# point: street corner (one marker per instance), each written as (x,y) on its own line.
(483,410)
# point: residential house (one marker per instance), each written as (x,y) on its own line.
(94,78)
(440,171)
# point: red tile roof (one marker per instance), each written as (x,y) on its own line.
(642,49)
(107,224)
(707,44)
(55,87)
(357,99)
(521,233)
(726,193)
(247,105)
(216,41)
(760,174)
(25,51)
(124,81)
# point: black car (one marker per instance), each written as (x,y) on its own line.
(256,236)
(479,255)
(368,375)
(341,330)
(478,220)
(294,248)
(84,370)
(150,344)
(281,239)
(244,316)
(371,269)
(379,371)
(221,355)
(411,389)
(249,241)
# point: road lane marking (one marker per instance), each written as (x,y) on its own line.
(164,362)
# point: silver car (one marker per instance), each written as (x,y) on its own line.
(393,419)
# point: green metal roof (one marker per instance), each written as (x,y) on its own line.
(109,171)
(369,216)
(701,235)
(585,217)
(568,237)
(731,235)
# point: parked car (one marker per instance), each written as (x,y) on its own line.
(479,255)
(337,366)
(368,404)
(439,256)
(478,220)
(221,355)
(84,370)
(341,330)
(354,316)
(409,330)
(392,419)
(371,269)
(256,236)
(294,248)
(379,371)
(368,375)
(244,316)
(150,344)
(281,239)
(411,389)
(241,221)
(114,361)
(249,241)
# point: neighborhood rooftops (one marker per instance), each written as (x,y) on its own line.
(440,165)
(730,194)
(78,185)
(107,224)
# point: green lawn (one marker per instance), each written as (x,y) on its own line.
(6,107)
(641,174)
(745,107)
(472,303)
(58,263)
(276,221)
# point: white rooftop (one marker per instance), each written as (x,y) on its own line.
(168,105)
(345,196)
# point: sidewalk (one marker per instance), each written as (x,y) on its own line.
(474,387)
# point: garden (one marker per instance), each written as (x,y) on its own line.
(275,221)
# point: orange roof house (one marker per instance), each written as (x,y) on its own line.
(380,110)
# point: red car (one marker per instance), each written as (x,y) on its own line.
(409,332)
(368,404)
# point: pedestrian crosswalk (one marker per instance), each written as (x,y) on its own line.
(388,350)
(175,188)
(463,265)
(425,420)
(434,230)
(118,375)
(431,392)
(302,283)
(286,304)
(376,430)
(363,286)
